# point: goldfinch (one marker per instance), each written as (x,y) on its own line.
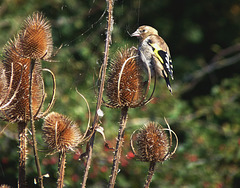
(154,53)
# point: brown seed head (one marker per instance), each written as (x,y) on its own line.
(124,82)
(152,143)
(18,109)
(36,38)
(60,133)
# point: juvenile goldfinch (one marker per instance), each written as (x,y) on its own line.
(154,53)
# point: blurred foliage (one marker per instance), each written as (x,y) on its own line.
(204,114)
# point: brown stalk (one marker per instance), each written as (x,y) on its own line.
(22,133)
(118,150)
(40,177)
(61,168)
(110,4)
(150,174)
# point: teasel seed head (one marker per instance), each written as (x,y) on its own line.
(60,133)
(153,144)
(35,38)
(17,70)
(125,82)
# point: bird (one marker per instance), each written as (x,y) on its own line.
(154,53)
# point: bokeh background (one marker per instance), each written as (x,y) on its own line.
(204,111)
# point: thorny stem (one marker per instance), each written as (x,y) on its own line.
(89,160)
(118,150)
(110,4)
(61,168)
(40,177)
(22,133)
(150,174)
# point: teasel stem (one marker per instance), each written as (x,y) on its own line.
(40,177)
(61,168)
(150,174)
(119,145)
(22,133)
(110,4)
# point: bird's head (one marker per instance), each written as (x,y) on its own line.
(144,31)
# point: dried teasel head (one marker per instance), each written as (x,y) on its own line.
(125,85)
(60,133)
(153,143)
(35,38)
(17,70)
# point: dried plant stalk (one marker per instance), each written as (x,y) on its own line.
(35,150)
(110,5)
(119,145)
(61,169)
(150,174)
(22,134)
(35,42)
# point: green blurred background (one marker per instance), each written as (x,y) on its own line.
(204,111)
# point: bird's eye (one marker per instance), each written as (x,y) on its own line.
(143,31)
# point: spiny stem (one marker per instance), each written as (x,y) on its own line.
(22,133)
(118,150)
(89,160)
(100,93)
(150,174)
(61,168)
(40,177)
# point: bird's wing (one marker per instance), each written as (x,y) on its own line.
(163,57)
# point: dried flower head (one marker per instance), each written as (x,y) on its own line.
(153,144)
(17,70)
(36,37)
(125,81)
(60,133)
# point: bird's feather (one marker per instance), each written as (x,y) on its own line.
(163,57)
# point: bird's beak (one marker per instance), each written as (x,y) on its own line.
(136,33)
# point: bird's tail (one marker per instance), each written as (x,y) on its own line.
(167,81)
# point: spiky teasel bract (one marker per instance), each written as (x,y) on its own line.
(125,85)
(153,143)
(35,38)
(3,84)
(17,70)
(60,133)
